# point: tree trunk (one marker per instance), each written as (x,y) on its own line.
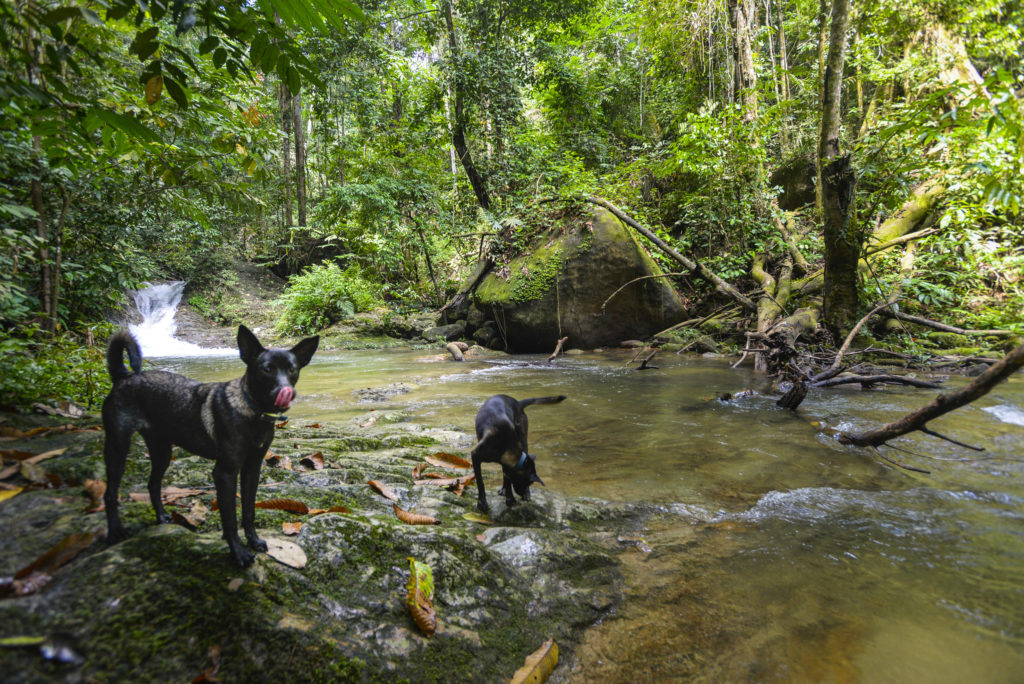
(823,14)
(842,242)
(42,232)
(459,120)
(742,19)
(300,157)
(285,100)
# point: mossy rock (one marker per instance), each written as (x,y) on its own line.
(560,283)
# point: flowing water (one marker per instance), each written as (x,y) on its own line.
(157,304)
(779,554)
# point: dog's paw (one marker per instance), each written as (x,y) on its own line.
(482,506)
(242,556)
(258,544)
(510,502)
(163,519)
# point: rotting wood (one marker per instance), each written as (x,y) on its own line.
(949,328)
(944,403)
(558,349)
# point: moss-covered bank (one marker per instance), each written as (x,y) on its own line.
(158,606)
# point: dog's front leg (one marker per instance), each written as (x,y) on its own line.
(481,496)
(506,490)
(250,479)
(226,480)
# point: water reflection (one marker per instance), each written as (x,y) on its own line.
(782,555)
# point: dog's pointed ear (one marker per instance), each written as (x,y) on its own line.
(536,478)
(305,349)
(248,346)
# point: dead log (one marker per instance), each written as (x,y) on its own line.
(949,328)
(876,379)
(944,403)
(644,364)
(455,351)
(558,349)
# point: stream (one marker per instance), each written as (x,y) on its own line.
(777,553)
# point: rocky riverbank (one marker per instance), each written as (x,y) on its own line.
(167,604)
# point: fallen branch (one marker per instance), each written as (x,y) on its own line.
(835,368)
(950,328)
(643,364)
(875,379)
(944,403)
(558,349)
(694,267)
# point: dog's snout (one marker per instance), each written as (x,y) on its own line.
(284,396)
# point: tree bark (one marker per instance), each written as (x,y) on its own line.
(459,119)
(842,243)
(299,133)
(742,19)
(284,100)
(944,403)
(42,232)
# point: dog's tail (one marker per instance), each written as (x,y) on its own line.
(523,403)
(123,341)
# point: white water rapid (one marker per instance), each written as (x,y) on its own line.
(155,334)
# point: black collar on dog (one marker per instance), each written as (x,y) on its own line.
(270,417)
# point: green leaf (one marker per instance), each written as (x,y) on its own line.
(269,58)
(220,55)
(176,92)
(143,39)
(208,44)
(18,641)
(294,80)
(61,14)
(128,125)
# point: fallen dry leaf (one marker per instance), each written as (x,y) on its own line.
(383,490)
(291,528)
(459,487)
(445,460)
(481,538)
(179,519)
(8,493)
(16,454)
(481,518)
(283,423)
(420,596)
(418,470)
(410,518)
(438,482)
(317,511)
(95,489)
(234,584)
(313,461)
(290,505)
(315,426)
(210,673)
(286,552)
(170,495)
(338,509)
(538,665)
(61,552)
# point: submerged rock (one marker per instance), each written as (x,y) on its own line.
(166,603)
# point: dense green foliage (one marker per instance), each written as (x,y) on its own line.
(168,139)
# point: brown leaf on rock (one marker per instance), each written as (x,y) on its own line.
(291,528)
(317,511)
(62,552)
(315,426)
(445,460)
(338,509)
(459,487)
(170,495)
(313,461)
(283,423)
(539,664)
(418,470)
(95,489)
(410,518)
(440,482)
(383,489)
(16,454)
(290,505)
(179,519)
(210,673)
(289,553)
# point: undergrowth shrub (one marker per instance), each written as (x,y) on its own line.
(324,294)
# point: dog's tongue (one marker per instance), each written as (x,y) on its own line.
(284,397)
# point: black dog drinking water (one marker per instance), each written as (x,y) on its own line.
(231,423)
(501,431)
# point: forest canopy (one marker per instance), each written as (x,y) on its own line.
(381,150)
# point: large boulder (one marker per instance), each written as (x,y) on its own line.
(558,284)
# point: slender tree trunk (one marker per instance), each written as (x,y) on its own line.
(299,133)
(842,244)
(459,120)
(42,232)
(823,29)
(285,100)
(742,18)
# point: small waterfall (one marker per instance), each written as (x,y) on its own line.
(155,334)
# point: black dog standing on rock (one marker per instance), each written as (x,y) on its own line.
(501,431)
(231,423)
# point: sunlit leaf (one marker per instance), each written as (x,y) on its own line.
(383,489)
(286,552)
(420,596)
(8,493)
(539,665)
(481,518)
(446,460)
(290,505)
